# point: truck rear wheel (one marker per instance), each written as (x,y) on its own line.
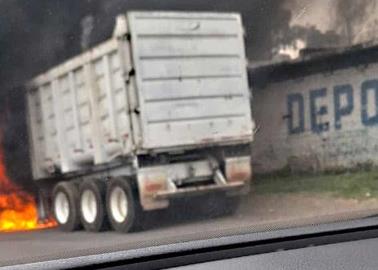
(92,205)
(65,206)
(231,205)
(219,205)
(123,208)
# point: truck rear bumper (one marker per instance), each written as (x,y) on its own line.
(235,187)
(158,184)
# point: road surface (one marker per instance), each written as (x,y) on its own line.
(182,223)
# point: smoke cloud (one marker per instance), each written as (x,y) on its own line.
(37,35)
(356,21)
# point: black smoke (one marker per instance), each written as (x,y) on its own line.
(350,16)
(312,36)
(35,35)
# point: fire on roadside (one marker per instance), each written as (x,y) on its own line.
(18,209)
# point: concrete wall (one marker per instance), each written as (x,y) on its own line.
(322,121)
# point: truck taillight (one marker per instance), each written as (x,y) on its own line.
(152,181)
(238,169)
(152,186)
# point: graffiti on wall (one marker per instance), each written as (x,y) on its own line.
(344,104)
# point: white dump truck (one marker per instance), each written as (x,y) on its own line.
(159,111)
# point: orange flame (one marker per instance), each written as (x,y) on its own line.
(18,209)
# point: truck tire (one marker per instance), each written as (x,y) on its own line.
(231,204)
(65,206)
(92,205)
(124,210)
(219,205)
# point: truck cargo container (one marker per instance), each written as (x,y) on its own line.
(159,111)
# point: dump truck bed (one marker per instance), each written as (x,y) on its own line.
(173,80)
(191,78)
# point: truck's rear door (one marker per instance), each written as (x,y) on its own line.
(191,78)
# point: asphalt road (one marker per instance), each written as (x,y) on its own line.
(181,223)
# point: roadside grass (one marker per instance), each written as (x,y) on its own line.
(359,185)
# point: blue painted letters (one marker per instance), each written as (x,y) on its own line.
(371,85)
(292,100)
(343,106)
(342,110)
(317,111)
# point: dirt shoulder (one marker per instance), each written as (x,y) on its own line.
(293,206)
(355,185)
(281,197)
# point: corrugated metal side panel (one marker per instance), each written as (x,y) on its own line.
(80,101)
(191,78)
(36,133)
(49,123)
(79,112)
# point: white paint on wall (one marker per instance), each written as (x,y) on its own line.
(351,141)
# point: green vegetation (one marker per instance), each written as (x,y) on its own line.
(359,185)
